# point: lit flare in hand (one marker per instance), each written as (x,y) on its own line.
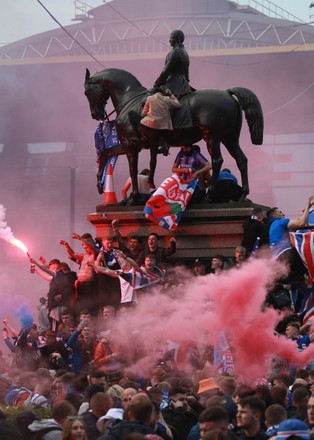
(7,234)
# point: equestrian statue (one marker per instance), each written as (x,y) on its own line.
(212,115)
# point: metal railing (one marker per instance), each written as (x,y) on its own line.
(270,9)
(82,8)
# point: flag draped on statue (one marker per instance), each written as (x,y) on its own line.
(303,241)
(167,204)
(106,137)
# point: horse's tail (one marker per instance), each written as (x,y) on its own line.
(253,112)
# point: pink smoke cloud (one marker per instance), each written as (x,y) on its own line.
(205,307)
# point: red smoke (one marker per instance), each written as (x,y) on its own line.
(204,307)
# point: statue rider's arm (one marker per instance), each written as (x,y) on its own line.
(302,221)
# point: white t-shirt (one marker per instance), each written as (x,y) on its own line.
(127,292)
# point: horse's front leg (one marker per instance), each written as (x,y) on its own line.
(153,137)
(100,172)
(132,156)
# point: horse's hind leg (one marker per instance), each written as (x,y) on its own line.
(213,147)
(241,161)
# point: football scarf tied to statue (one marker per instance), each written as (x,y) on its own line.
(106,137)
(303,241)
(167,204)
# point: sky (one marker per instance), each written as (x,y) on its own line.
(19,21)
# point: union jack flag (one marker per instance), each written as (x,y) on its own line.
(106,137)
(303,241)
(167,205)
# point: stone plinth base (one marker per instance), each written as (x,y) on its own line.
(204,230)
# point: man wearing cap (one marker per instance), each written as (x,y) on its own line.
(206,389)
(109,418)
(249,417)
(199,268)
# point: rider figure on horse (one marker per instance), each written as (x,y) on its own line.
(174,77)
(175,74)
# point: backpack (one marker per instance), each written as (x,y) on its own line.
(38,435)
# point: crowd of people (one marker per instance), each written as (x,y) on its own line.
(66,362)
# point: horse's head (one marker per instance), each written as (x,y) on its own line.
(97,96)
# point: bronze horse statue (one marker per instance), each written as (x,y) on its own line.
(216,117)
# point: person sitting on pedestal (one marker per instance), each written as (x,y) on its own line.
(191,164)
(226,189)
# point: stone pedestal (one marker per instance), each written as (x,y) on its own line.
(204,230)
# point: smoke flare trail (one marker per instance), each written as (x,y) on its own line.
(7,234)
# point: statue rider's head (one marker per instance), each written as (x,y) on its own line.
(176,37)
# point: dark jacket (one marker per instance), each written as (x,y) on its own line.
(120,429)
(261,435)
(252,228)
(90,421)
(61,284)
(179,421)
